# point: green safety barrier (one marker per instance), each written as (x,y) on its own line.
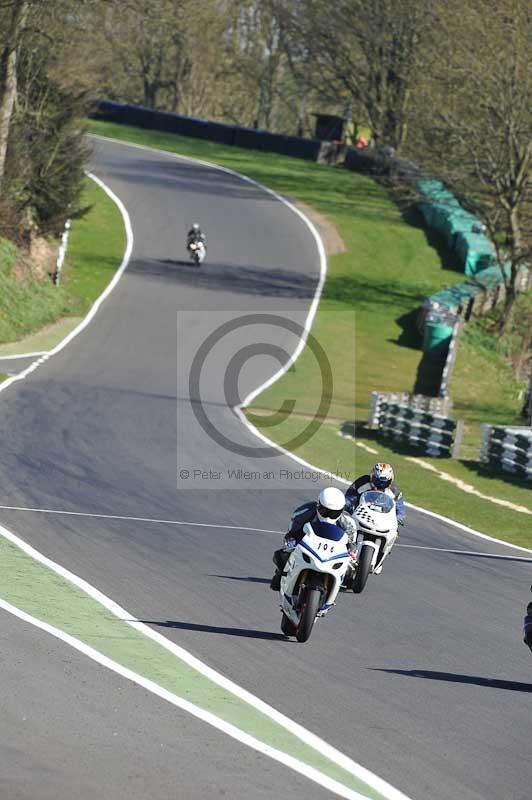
(454,297)
(461,229)
(437,334)
(475,250)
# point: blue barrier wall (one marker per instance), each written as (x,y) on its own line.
(203,129)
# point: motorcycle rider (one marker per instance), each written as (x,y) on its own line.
(328,508)
(527,627)
(380,479)
(196,235)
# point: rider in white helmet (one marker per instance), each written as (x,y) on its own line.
(380,479)
(195,235)
(328,508)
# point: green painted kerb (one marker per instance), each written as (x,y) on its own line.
(37,590)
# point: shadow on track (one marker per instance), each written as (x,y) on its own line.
(189,626)
(249,579)
(252,280)
(453,677)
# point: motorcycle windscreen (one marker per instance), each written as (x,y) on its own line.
(327,530)
(378,501)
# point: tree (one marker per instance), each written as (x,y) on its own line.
(372,51)
(42,135)
(474,129)
(13,18)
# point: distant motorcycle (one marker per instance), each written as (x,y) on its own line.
(376,521)
(311,578)
(197,252)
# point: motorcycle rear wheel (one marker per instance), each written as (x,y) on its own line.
(364,565)
(311,606)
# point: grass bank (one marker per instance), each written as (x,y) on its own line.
(365,324)
(36,315)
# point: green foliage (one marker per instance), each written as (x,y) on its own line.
(46,152)
(95,248)
(26,305)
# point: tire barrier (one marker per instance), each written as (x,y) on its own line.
(507,449)
(416,402)
(435,434)
(233,135)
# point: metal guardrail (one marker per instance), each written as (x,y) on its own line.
(450,359)
(508,449)
(435,434)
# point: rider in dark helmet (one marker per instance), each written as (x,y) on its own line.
(380,479)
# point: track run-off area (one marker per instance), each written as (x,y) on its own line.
(142,651)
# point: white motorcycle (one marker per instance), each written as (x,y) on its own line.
(376,521)
(197,252)
(311,578)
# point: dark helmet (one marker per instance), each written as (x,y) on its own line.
(381,477)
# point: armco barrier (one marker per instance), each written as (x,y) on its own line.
(508,449)
(450,359)
(434,434)
(203,129)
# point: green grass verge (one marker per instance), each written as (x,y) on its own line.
(95,249)
(368,309)
(24,306)
(40,592)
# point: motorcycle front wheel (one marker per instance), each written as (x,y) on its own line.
(287,626)
(309,609)
(364,565)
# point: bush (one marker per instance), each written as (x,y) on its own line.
(46,151)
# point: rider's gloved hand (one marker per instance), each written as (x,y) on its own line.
(289,542)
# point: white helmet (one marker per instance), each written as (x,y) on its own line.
(331,503)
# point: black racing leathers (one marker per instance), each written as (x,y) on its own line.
(363,484)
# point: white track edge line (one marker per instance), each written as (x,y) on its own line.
(463,552)
(99,300)
(25,355)
(227,728)
(306,736)
(308,324)
(222,527)
(137,519)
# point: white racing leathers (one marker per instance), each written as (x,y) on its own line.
(197,252)
(312,577)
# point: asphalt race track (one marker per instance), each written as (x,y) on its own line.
(422,679)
